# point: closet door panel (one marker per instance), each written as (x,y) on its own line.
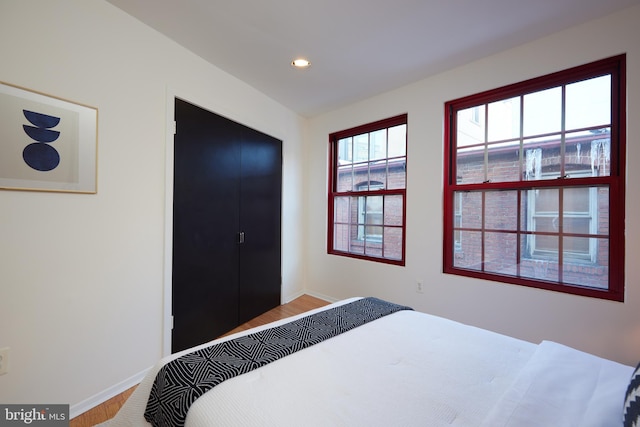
(206,223)
(260,220)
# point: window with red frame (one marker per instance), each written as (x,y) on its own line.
(367,191)
(534,185)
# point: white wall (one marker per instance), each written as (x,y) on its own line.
(82,276)
(609,329)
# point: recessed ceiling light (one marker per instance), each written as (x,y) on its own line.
(300,63)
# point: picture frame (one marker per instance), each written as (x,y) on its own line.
(46,143)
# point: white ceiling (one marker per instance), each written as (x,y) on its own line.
(358,48)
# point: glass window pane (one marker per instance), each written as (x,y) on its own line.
(541,269)
(341,209)
(341,237)
(397,141)
(356,246)
(500,253)
(470,167)
(373,248)
(543,210)
(541,158)
(601,220)
(361,148)
(345,178)
(470,255)
(600,154)
(546,246)
(373,216)
(542,112)
(587,274)
(576,200)
(576,248)
(378,145)
(345,151)
(470,126)
(393,242)
(393,210)
(471,215)
(355,210)
(397,173)
(504,162)
(588,103)
(500,210)
(504,119)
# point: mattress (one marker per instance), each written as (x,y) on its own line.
(410,369)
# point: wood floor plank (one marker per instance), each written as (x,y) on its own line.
(108,409)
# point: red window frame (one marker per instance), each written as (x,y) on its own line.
(614,183)
(334,193)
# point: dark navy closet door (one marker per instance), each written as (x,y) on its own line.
(226,225)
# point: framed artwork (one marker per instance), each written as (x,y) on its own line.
(46,143)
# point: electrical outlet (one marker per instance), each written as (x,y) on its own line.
(4,360)
(419,288)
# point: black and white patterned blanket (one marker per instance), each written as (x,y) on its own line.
(183,380)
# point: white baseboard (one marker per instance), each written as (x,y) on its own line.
(97,399)
(321,296)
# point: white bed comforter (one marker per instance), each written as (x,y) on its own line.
(411,369)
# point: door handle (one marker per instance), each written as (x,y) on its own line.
(241,237)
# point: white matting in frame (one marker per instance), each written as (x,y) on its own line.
(46,143)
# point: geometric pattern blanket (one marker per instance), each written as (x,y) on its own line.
(183,380)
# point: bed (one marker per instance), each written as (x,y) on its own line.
(395,368)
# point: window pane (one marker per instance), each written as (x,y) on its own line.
(600,155)
(602,207)
(470,125)
(470,256)
(586,274)
(542,112)
(539,269)
(341,237)
(378,145)
(393,242)
(588,103)
(345,178)
(393,210)
(500,211)
(471,215)
(546,246)
(397,174)
(576,248)
(470,165)
(504,119)
(500,253)
(543,208)
(345,151)
(341,209)
(541,158)
(373,217)
(356,246)
(576,200)
(504,162)
(373,248)
(397,141)
(361,148)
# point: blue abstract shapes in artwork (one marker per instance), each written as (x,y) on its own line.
(40,134)
(40,156)
(41,120)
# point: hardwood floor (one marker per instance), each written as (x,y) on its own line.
(109,408)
